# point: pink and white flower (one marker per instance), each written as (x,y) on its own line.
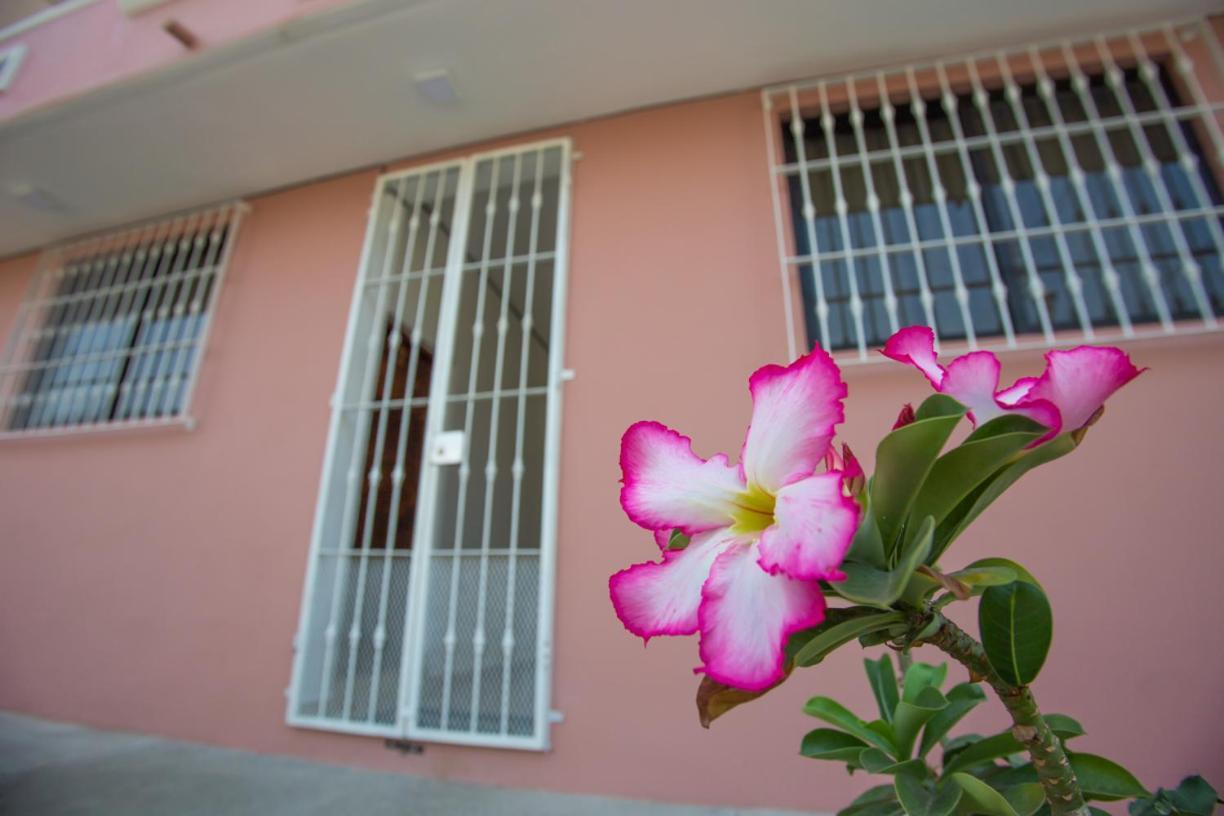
(762,533)
(1066,397)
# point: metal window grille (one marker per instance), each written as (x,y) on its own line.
(112,330)
(1023,197)
(427,611)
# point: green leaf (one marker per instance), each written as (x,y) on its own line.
(867,585)
(957,473)
(986,493)
(983,751)
(978,578)
(920,676)
(982,797)
(1016,627)
(1103,779)
(867,546)
(962,699)
(1064,726)
(833,617)
(876,761)
(835,714)
(903,460)
(913,714)
(677,540)
(1021,574)
(922,799)
(831,744)
(878,801)
(826,641)
(883,685)
(1026,798)
(1193,796)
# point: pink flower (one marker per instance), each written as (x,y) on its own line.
(1066,397)
(762,533)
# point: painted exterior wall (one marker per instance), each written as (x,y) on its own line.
(150,582)
(98,45)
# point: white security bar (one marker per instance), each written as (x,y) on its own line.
(1041,194)
(113,328)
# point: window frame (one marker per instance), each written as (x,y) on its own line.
(127,256)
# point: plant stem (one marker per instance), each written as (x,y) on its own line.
(1054,770)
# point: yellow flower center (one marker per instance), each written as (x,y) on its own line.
(754,509)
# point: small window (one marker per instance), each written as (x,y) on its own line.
(112,331)
(1018,198)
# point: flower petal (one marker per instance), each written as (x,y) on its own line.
(1079,381)
(662,598)
(972,380)
(794,411)
(814,523)
(915,345)
(666,485)
(746,617)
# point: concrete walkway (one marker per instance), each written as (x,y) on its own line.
(53,769)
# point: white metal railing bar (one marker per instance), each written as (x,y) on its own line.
(113,327)
(517,469)
(949,102)
(981,100)
(809,216)
(888,113)
(375,474)
(1160,185)
(1184,113)
(465,469)
(939,194)
(1054,187)
(1067,152)
(840,206)
(490,472)
(352,489)
(1113,171)
(501,393)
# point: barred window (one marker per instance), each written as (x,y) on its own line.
(112,330)
(1012,199)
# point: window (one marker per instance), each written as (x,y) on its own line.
(113,328)
(428,604)
(1027,196)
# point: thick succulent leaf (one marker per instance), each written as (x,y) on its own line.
(1021,573)
(1003,745)
(819,647)
(837,715)
(883,685)
(867,546)
(878,801)
(960,471)
(866,584)
(1026,798)
(1192,797)
(1016,626)
(875,761)
(982,752)
(1105,780)
(833,617)
(831,744)
(903,460)
(677,540)
(922,798)
(961,700)
(974,504)
(978,578)
(920,676)
(913,714)
(982,797)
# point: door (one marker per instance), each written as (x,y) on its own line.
(427,610)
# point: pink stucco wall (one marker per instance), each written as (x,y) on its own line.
(98,45)
(151,582)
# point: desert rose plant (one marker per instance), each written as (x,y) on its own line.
(791,553)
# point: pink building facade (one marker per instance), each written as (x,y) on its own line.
(265,485)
